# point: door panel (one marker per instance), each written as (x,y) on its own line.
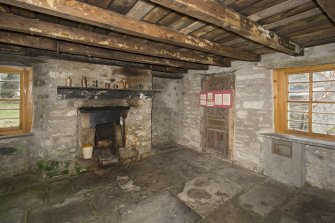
(217,122)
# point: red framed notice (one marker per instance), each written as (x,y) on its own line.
(216,98)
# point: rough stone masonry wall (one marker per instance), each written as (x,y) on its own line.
(254,112)
(55,132)
(187,120)
(164,108)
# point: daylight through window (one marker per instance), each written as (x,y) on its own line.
(305,101)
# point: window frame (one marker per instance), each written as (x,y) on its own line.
(25,101)
(280,94)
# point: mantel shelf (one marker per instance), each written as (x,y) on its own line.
(102,93)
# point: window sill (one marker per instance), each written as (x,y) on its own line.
(307,141)
(16,136)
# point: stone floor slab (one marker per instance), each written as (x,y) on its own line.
(265,197)
(230,213)
(238,175)
(161,207)
(74,209)
(58,190)
(312,205)
(206,193)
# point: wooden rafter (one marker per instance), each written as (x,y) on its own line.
(36,27)
(85,13)
(25,55)
(71,48)
(213,12)
(328,6)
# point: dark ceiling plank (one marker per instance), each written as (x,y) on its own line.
(78,49)
(99,3)
(328,6)
(156,14)
(27,53)
(86,13)
(31,26)
(140,9)
(121,6)
(316,38)
(217,14)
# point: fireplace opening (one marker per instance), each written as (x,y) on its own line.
(105,129)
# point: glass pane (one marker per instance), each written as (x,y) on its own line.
(300,126)
(298,96)
(323,118)
(292,106)
(10,94)
(9,114)
(8,123)
(323,129)
(298,78)
(324,75)
(9,104)
(324,96)
(297,116)
(324,108)
(9,77)
(324,86)
(298,87)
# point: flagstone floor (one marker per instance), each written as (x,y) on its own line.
(174,185)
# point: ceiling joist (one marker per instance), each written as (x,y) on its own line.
(31,55)
(85,13)
(77,49)
(52,30)
(213,12)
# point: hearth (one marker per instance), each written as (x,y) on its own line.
(105,128)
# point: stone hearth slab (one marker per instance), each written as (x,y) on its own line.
(161,207)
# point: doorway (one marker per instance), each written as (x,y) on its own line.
(218,123)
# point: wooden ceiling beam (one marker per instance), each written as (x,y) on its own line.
(328,6)
(31,55)
(85,13)
(78,49)
(36,27)
(213,12)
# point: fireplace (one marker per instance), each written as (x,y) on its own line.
(104,128)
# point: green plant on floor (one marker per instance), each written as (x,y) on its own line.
(52,168)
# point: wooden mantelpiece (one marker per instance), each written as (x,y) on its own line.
(102,93)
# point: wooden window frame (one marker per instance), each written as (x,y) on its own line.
(26,101)
(280,91)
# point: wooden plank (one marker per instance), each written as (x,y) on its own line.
(328,6)
(15,53)
(86,13)
(215,13)
(140,9)
(284,6)
(65,47)
(121,6)
(31,26)
(156,14)
(294,18)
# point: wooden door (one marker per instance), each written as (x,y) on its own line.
(218,123)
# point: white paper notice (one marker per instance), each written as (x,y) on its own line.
(218,99)
(210,101)
(226,99)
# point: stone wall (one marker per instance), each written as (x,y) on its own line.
(55,122)
(187,121)
(164,109)
(254,112)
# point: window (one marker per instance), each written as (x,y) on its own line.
(15,100)
(305,101)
